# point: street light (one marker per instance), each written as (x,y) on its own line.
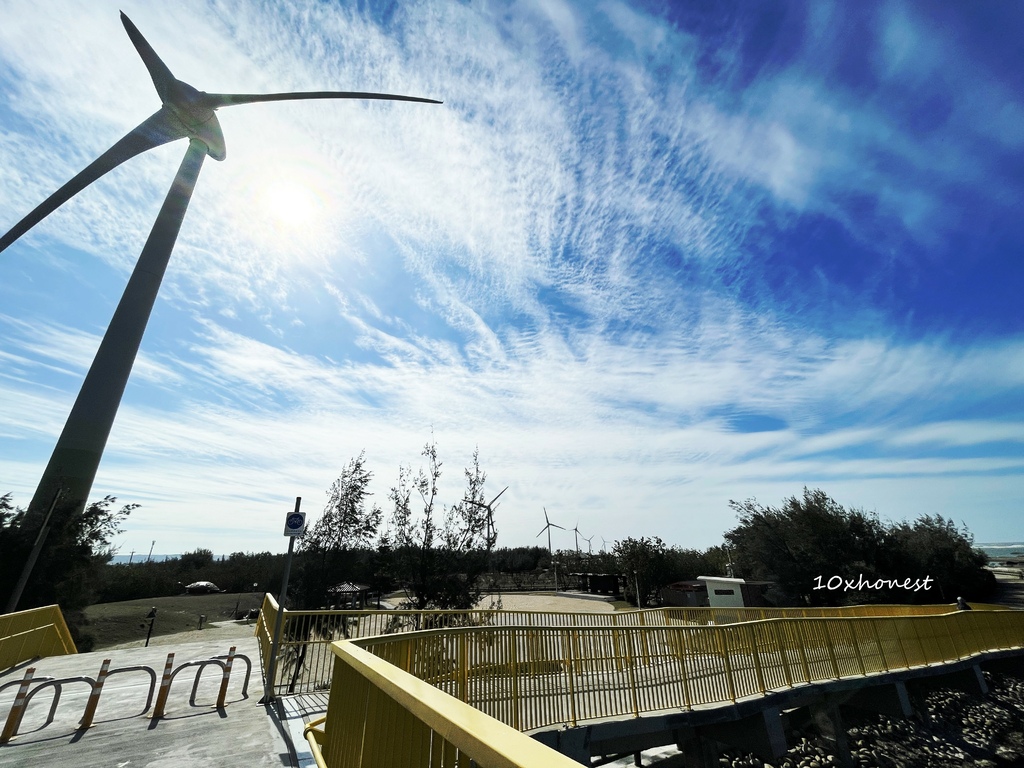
(636,581)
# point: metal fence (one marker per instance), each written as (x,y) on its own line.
(392,718)
(531,677)
(34,633)
(305,662)
(528,677)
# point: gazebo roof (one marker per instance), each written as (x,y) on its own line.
(347,587)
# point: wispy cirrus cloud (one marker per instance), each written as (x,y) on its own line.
(646,264)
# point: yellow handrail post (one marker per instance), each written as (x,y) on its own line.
(513,642)
(727,662)
(949,632)
(570,677)
(830,647)
(683,674)
(630,660)
(783,654)
(856,645)
(803,649)
(463,667)
(878,642)
(758,671)
(899,643)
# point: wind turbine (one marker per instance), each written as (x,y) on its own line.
(578,533)
(548,525)
(590,547)
(489,506)
(492,537)
(185,113)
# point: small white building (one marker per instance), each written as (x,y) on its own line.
(724,592)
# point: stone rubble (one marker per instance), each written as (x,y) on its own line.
(961,730)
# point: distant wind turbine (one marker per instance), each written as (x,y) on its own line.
(489,506)
(590,547)
(185,113)
(548,525)
(492,537)
(579,535)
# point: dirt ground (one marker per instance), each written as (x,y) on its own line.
(515,601)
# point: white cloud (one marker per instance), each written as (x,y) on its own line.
(490,268)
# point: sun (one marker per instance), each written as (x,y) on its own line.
(291,204)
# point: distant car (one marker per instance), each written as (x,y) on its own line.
(202,588)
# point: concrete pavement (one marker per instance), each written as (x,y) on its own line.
(242,733)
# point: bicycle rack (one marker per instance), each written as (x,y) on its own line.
(25,695)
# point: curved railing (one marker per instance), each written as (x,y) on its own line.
(530,677)
(305,660)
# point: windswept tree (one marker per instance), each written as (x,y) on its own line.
(933,546)
(71,566)
(438,554)
(808,541)
(804,539)
(338,545)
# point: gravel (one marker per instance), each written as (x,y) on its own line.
(961,730)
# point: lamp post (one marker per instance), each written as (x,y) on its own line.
(636,581)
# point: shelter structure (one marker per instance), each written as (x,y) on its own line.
(349,595)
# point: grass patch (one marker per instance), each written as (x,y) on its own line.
(115,623)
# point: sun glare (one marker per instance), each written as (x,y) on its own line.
(288,206)
(291,204)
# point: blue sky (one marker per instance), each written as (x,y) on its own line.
(649,257)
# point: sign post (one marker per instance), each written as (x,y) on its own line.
(294,526)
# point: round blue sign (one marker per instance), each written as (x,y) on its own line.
(294,521)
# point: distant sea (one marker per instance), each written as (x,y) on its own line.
(1000,549)
(137,558)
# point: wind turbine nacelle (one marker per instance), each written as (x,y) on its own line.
(191,107)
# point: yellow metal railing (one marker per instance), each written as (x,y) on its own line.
(530,677)
(305,660)
(265,630)
(380,715)
(34,633)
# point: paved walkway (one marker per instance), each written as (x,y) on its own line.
(242,733)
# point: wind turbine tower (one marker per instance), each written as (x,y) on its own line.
(492,533)
(185,113)
(548,525)
(578,534)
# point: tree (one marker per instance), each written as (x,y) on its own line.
(812,542)
(70,568)
(933,546)
(643,564)
(338,543)
(196,560)
(438,563)
(688,564)
(806,539)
